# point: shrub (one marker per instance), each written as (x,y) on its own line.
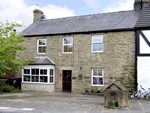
(1,89)
(8,88)
(0,83)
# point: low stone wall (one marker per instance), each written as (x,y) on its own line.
(37,87)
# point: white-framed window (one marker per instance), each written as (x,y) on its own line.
(38,75)
(97,77)
(67,45)
(97,43)
(41,46)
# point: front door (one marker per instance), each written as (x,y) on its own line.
(67,80)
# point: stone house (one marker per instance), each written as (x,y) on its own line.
(80,52)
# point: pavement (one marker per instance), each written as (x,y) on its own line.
(37,102)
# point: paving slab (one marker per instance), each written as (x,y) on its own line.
(37,102)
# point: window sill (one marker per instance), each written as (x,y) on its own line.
(37,83)
(41,53)
(97,52)
(67,52)
(97,85)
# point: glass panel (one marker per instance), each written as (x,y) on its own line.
(42,42)
(98,38)
(68,48)
(35,71)
(35,78)
(43,71)
(68,40)
(43,78)
(97,81)
(97,47)
(42,49)
(26,71)
(51,79)
(51,71)
(97,72)
(26,78)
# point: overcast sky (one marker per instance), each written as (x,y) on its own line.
(21,11)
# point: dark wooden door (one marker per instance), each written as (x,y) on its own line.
(67,80)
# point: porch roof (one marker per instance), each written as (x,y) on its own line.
(41,61)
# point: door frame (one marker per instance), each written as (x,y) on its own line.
(63,80)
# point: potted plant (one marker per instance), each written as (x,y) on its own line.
(113,103)
(92,90)
(98,91)
(87,90)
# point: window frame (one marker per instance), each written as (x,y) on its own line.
(97,77)
(67,45)
(97,43)
(40,45)
(48,75)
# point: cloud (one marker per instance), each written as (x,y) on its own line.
(95,4)
(119,5)
(18,11)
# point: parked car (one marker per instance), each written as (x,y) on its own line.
(16,82)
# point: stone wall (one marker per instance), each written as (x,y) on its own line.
(117,58)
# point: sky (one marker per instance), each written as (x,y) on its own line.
(21,11)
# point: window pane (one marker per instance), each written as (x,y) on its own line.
(51,79)
(97,72)
(43,78)
(51,71)
(98,38)
(35,71)
(68,48)
(97,47)
(26,78)
(26,71)
(97,81)
(43,71)
(68,40)
(35,78)
(42,49)
(42,42)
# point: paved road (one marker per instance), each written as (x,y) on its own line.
(29,102)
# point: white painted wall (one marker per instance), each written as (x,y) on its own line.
(143,63)
(143,72)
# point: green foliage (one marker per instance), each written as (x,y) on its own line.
(1,89)
(8,88)
(96,90)
(10,48)
(87,90)
(0,83)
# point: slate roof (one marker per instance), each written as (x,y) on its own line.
(41,61)
(121,87)
(86,23)
(144,19)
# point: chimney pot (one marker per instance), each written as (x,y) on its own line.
(38,14)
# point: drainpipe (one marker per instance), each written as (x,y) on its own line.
(136,33)
(141,4)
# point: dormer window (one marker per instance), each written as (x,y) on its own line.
(41,46)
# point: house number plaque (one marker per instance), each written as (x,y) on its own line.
(73,77)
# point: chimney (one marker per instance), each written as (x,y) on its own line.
(38,14)
(139,4)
